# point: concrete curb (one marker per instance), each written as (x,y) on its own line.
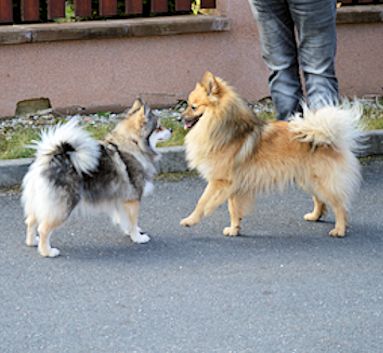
(173,160)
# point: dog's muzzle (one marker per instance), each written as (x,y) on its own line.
(189,122)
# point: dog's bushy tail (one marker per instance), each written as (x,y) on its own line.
(71,140)
(339,126)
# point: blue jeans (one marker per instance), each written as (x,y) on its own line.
(298,34)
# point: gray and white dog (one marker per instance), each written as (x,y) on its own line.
(73,171)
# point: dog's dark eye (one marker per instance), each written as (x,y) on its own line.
(194,108)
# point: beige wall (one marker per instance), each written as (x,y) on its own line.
(112,72)
(360,59)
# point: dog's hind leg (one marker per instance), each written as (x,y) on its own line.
(31,238)
(122,221)
(215,194)
(238,207)
(340,220)
(318,211)
(132,209)
(337,205)
(45,230)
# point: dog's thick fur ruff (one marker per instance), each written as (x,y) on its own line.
(240,156)
(73,171)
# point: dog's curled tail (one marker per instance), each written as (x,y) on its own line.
(337,126)
(71,140)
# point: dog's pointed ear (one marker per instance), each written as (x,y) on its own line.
(137,105)
(146,112)
(210,83)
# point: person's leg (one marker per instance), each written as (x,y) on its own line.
(315,21)
(276,30)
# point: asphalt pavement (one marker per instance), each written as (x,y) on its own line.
(284,286)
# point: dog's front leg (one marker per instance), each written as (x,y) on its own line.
(239,206)
(216,193)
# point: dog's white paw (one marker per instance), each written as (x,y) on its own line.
(129,232)
(34,241)
(140,238)
(51,252)
(231,231)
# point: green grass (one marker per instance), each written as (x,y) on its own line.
(100,131)
(178,134)
(176,176)
(266,116)
(13,145)
(372,117)
(376,124)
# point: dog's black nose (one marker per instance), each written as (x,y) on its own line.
(171,130)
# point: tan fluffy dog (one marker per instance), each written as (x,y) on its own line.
(240,156)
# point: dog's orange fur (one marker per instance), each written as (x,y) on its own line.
(240,156)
